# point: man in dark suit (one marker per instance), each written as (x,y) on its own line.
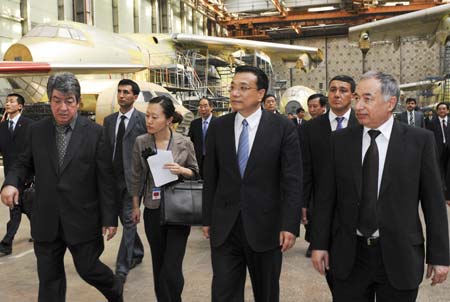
(367,228)
(199,129)
(252,159)
(411,116)
(12,141)
(440,128)
(269,103)
(120,130)
(298,120)
(74,201)
(316,147)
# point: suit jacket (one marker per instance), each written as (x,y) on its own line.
(12,145)
(410,176)
(183,154)
(435,126)
(315,138)
(196,135)
(136,126)
(268,197)
(296,122)
(78,197)
(418,118)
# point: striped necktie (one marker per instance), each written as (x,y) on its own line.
(243,148)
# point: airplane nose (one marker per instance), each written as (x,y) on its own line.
(18,52)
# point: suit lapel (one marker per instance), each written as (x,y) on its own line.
(75,142)
(258,144)
(355,150)
(230,143)
(131,123)
(352,121)
(394,152)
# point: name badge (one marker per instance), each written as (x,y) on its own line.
(156,193)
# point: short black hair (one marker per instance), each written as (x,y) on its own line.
(210,102)
(20,98)
(323,100)
(344,78)
(408,100)
(134,86)
(268,96)
(262,81)
(442,103)
(300,109)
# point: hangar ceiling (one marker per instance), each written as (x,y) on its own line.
(291,19)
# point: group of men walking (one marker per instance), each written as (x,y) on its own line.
(356,177)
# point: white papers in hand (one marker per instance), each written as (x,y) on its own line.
(156,163)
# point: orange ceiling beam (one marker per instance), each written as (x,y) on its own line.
(305,16)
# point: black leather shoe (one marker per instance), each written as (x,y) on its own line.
(308,252)
(135,262)
(5,249)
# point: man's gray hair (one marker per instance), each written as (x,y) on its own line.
(389,85)
(64,82)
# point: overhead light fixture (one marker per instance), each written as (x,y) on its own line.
(321,9)
(396,3)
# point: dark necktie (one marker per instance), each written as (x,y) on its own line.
(11,127)
(411,118)
(243,148)
(204,130)
(367,222)
(61,142)
(118,155)
(444,131)
(339,120)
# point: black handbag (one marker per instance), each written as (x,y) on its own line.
(181,203)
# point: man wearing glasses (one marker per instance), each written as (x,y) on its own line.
(74,202)
(252,160)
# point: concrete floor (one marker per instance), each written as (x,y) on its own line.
(299,281)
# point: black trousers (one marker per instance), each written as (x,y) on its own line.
(168,246)
(368,280)
(52,278)
(229,262)
(15,217)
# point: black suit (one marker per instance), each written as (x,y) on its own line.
(315,138)
(410,177)
(10,147)
(295,121)
(72,204)
(196,135)
(246,214)
(442,150)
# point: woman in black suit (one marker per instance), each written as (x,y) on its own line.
(167,242)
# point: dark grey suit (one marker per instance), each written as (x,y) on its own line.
(72,204)
(131,248)
(418,118)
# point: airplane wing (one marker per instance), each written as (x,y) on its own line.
(24,68)
(421,85)
(433,22)
(304,57)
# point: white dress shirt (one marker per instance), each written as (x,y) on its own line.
(15,120)
(333,123)
(127,119)
(253,123)
(382,141)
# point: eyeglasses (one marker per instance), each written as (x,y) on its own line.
(240,89)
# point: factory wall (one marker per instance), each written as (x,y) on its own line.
(411,62)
